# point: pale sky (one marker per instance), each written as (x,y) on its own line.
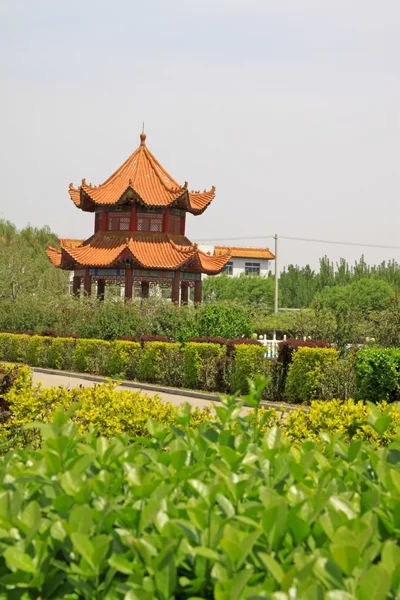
(291,108)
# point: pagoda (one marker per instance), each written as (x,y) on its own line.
(139,232)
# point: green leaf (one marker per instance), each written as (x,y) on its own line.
(346,556)
(273,566)
(374,584)
(273,437)
(206,553)
(121,564)
(226,505)
(342,505)
(391,560)
(83,546)
(17,560)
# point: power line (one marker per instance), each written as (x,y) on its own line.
(301,239)
(336,242)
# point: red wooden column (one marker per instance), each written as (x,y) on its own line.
(104,221)
(165,220)
(87,283)
(175,287)
(128,284)
(198,289)
(133,223)
(145,289)
(101,288)
(76,285)
(184,292)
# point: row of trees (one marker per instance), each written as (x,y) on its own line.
(25,269)
(371,287)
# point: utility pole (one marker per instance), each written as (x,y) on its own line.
(276,274)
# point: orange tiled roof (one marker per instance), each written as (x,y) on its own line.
(71,242)
(242,252)
(152,251)
(146,179)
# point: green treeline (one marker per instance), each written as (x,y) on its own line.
(25,270)
(303,287)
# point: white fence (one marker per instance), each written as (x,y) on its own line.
(271,346)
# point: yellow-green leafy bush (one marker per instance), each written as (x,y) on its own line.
(124,359)
(306,371)
(13,347)
(351,419)
(91,356)
(101,407)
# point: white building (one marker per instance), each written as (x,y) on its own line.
(251,261)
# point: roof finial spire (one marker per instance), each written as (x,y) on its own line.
(143,137)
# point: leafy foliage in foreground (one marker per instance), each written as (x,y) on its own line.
(223,511)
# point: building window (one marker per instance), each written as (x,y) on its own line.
(252,268)
(174,224)
(228,268)
(151,222)
(119,221)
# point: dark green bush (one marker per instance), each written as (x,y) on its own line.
(201,365)
(377,372)
(305,372)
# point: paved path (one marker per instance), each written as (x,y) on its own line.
(70,381)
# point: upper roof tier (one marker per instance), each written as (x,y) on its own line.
(141,177)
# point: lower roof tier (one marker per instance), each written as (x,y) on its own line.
(151,251)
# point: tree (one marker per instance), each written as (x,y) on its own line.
(252,290)
(25,269)
(362,295)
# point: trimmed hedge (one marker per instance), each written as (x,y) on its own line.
(377,372)
(202,366)
(306,370)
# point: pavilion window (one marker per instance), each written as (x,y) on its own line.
(151,222)
(119,221)
(174,224)
(252,268)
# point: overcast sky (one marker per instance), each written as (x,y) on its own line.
(291,108)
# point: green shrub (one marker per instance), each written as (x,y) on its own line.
(124,359)
(249,361)
(377,372)
(220,511)
(306,370)
(201,365)
(224,320)
(61,354)
(91,356)
(337,381)
(13,347)
(162,363)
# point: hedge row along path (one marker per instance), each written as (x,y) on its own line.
(50,378)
